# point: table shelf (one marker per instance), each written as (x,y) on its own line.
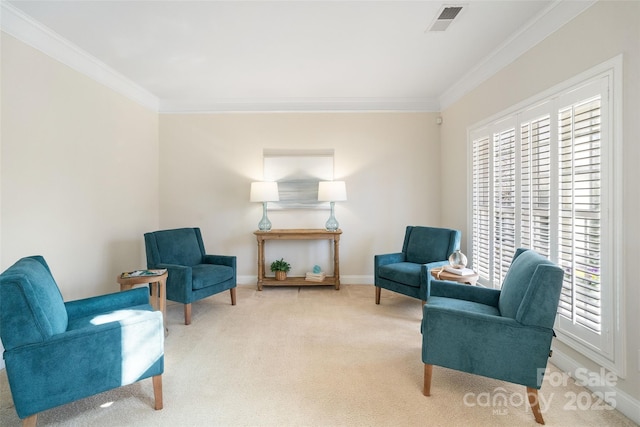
(298,281)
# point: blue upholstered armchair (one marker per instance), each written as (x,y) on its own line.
(408,272)
(503,334)
(193,274)
(57,352)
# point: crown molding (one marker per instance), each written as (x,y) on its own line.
(558,14)
(277,105)
(21,26)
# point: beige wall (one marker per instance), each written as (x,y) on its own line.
(79,172)
(610,28)
(388,160)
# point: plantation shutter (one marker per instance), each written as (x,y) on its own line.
(580,211)
(535,185)
(480,205)
(504,203)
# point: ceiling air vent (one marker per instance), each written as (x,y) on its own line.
(445,18)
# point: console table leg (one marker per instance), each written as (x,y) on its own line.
(336,260)
(260,263)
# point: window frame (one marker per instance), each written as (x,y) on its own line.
(610,352)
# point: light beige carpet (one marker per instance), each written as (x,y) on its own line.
(308,357)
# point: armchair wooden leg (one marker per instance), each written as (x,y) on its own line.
(532,394)
(187,314)
(427,379)
(233,296)
(30,421)
(157,391)
(378,289)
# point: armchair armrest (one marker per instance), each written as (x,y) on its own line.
(430,266)
(175,270)
(427,279)
(109,302)
(435,264)
(467,326)
(385,259)
(179,281)
(227,260)
(443,288)
(476,319)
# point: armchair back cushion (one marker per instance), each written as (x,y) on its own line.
(181,246)
(531,289)
(30,289)
(423,245)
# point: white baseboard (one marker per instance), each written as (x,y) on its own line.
(246,280)
(625,403)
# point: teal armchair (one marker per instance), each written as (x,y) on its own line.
(193,274)
(503,334)
(57,352)
(408,272)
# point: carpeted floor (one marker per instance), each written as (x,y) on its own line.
(310,357)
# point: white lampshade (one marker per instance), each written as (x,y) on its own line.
(332,191)
(264,192)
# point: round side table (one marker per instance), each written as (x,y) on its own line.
(158,297)
(440,274)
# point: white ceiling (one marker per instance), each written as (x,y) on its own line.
(297,55)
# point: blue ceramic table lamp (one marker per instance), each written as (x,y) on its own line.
(332,191)
(264,192)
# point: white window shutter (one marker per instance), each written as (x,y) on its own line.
(481,226)
(580,213)
(504,203)
(535,185)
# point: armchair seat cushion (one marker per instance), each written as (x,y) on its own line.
(463,306)
(407,273)
(205,275)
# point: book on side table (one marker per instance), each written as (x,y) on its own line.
(459,271)
(143,273)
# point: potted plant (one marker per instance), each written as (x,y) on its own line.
(280,267)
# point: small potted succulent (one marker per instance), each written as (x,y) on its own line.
(280,267)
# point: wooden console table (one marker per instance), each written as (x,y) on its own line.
(298,234)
